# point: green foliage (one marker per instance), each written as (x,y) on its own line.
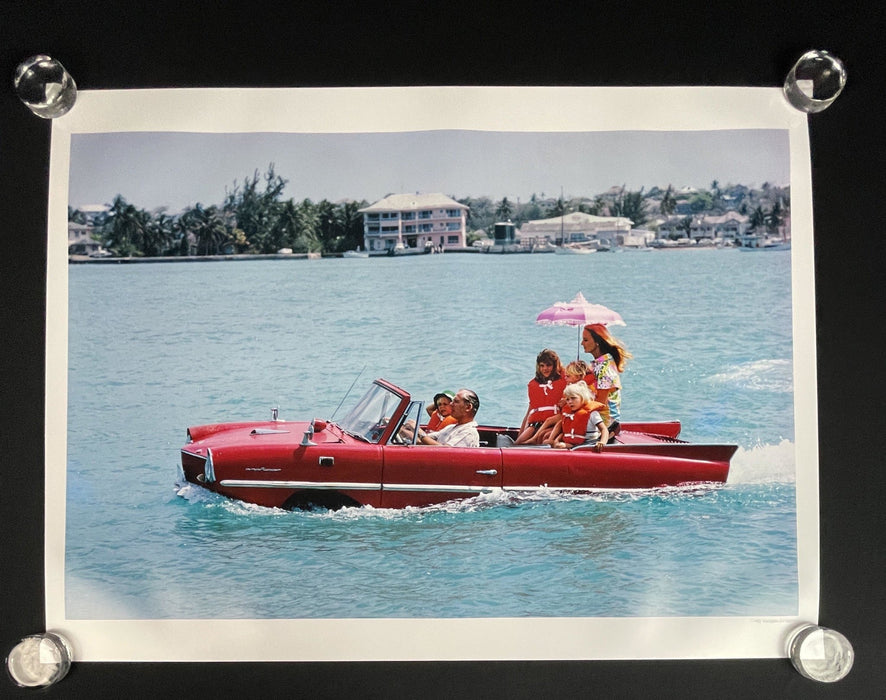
(757,218)
(702,201)
(206,226)
(668,202)
(481,213)
(504,210)
(255,211)
(630,205)
(128,231)
(75,215)
(254,217)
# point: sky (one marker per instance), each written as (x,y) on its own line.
(178,170)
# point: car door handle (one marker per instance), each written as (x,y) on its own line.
(488,472)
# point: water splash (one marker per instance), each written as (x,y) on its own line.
(764,464)
(759,375)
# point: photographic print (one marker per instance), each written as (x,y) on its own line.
(257,298)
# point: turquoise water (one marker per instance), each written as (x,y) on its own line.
(156,348)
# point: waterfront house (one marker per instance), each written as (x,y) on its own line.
(578,227)
(729,227)
(418,221)
(81,241)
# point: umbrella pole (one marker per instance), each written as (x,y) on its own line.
(578,345)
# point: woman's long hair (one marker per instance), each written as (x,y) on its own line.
(610,345)
(547,355)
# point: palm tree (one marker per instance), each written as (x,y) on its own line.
(207,226)
(668,202)
(328,224)
(308,226)
(76,215)
(504,210)
(757,218)
(352,225)
(630,205)
(774,218)
(285,229)
(157,235)
(123,227)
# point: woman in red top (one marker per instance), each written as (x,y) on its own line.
(545,390)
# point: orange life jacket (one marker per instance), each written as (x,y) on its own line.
(543,398)
(575,425)
(438,422)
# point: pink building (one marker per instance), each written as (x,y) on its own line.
(415,221)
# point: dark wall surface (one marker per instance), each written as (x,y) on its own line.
(240,44)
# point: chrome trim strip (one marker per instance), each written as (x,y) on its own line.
(351,486)
(322,485)
(442,488)
(423,488)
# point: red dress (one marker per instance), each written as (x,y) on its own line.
(543,399)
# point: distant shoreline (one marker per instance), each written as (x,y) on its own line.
(86,260)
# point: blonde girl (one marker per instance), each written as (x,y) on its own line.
(582,422)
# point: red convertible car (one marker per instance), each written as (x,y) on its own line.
(367,459)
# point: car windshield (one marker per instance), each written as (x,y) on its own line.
(372,413)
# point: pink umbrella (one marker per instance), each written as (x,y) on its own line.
(578,312)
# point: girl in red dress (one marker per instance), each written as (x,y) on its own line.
(575,371)
(545,390)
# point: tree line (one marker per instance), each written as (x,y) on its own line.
(766,207)
(254,217)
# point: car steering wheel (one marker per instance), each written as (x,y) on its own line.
(377,430)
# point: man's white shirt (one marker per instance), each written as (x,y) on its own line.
(458,435)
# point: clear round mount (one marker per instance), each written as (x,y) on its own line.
(815,81)
(39,660)
(820,654)
(46,88)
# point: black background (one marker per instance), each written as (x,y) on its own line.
(244,44)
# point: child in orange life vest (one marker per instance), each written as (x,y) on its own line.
(545,390)
(581,422)
(441,411)
(575,371)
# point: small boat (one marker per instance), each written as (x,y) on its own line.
(355,253)
(758,243)
(367,459)
(573,250)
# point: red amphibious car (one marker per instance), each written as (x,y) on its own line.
(364,459)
